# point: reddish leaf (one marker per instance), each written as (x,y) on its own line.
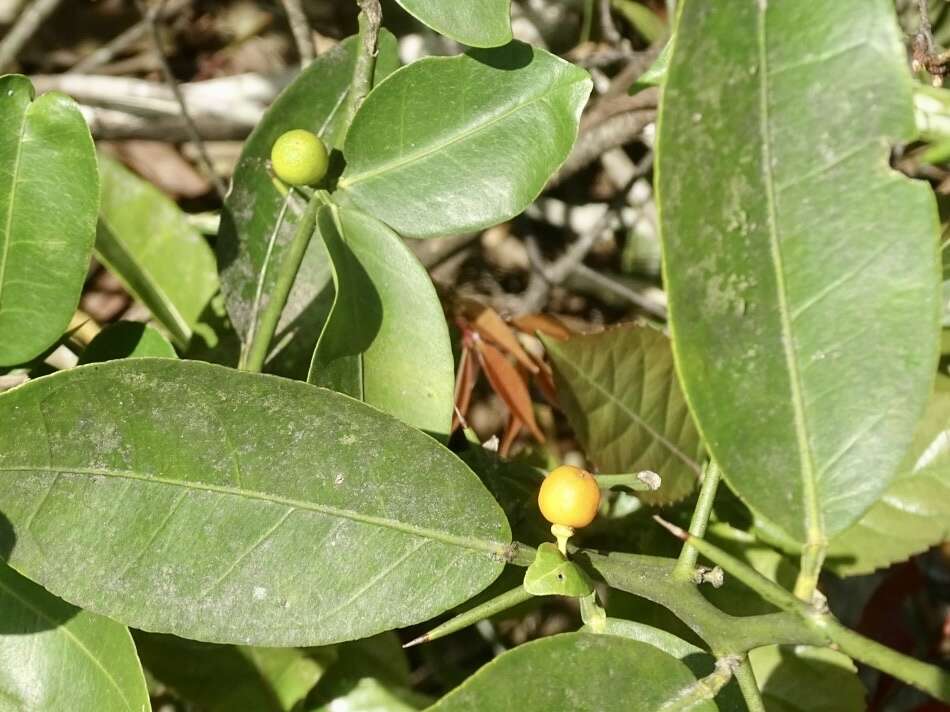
(492,327)
(464,385)
(509,385)
(545,323)
(512,429)
(544,379)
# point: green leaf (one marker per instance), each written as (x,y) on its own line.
(914,513)
(642,19)
(622,398)
(386,341)
(313,101)
(477,23)
(54,656)
(127,339)
(49,195)
(367,694)
(656,72)
(147,242)
(575,671)
(455,144)
(806,679)
(802,272)
(699,661)
(221,678)
(187,498)
(550,574)
(370,675)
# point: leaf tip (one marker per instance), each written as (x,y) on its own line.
(416,641)
(671,528)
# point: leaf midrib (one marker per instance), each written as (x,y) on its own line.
(425,153)
(14,184)
(814,526)
(72,637)
(490,547)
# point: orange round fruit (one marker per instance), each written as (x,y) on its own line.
(569,496)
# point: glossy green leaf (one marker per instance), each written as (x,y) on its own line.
(455,144)
(127,339)
(478,23)
(621,395)
(367,694)
(187,498)
(550,574)
(370,675)
(313,101)
(699,661)
(806,679)
(802,272)
(642,18)
(386,341)
(656,72)
(147,242)
(578,672)
(914,513)
(57,658)
(49,195)
(222,678)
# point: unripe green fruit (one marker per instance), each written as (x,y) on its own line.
(299,158)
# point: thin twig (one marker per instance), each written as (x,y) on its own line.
(648,305)
(567,264)
(123,41)
(300,28)
(371,18)
(21,32)
(926,29)
(149,16)
(607,26)
(612,133)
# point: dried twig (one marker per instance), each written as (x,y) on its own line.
(926,29)
(150,17)
(571,262)
(607,26)
(300,28)
(106,53)
(614,132)
(238,99)
(924,48)
(21,32)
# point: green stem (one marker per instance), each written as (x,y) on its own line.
(496,605)
(748,686)
(697,527)
(262,277)
(928,678)
(587,22)
(923,676)
(289,266)
(768,589)
(704,689)
(371,17)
